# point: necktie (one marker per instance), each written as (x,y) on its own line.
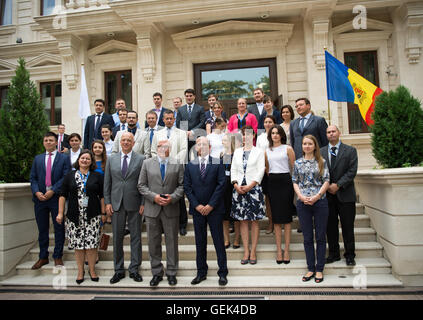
(162,170)
(302,124)
(168,133)
(151,135)
(97,124)
(189,111)
(124,166)
(203,168)
(60,143)
(123,127)
(332,156)
(48,171)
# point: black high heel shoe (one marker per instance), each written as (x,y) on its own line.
(305,278)
(279,261)
(79,281)
(227,245)
(93,279)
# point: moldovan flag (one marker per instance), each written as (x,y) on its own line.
(345,85)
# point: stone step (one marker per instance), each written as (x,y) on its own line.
(361,221)
(361,235)
(240,282)
(188,252)
(188,268)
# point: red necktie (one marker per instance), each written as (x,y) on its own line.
(60,142)
(48,171)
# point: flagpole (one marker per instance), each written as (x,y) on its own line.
(325,49)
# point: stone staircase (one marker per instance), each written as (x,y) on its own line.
(372,269)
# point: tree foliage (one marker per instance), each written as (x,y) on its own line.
(23,124)
(397,134)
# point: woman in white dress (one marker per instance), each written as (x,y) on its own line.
(215,138)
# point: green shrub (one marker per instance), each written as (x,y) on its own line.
(23,124)
(397,134)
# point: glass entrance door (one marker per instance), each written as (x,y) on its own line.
(118,84)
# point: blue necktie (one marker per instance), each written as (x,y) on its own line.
(162,170)
(97,125)
(302,124)
(203,168)
(124,166)
(189,111)
(151,135)
(123,127)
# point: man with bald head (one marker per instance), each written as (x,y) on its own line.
(342,163)
(204,184)
(124,202)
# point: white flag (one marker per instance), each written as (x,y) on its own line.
(84,103)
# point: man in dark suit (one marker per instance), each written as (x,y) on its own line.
(47,172)
(124,202)
(62,139)
(211,100)
(204,184)
(257,109)
(94,122)
(158,109)
(191,118)
(122,124)
(342,162)
(306,124)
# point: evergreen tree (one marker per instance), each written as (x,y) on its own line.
(23,124)
(397,134)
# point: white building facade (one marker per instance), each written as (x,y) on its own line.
(132,49)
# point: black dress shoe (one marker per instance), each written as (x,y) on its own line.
(136,276)
(126,232)
(305,278)
(182,231)
(198,279)
(155,281)
(223,281)
(116,278)
(299,230)
(332,259)
(350,262)
(172,280)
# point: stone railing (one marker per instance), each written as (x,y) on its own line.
(76,4)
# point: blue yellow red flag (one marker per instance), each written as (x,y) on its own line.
(345,85)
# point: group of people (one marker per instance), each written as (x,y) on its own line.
(127,175)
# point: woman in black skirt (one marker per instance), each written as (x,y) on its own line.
(230,142)
(280,160)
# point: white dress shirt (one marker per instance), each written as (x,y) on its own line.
(53,155)
(260,107)
(74,155)
(200,161)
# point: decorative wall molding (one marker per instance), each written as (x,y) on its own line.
(44,59)
(7,65)
(109,47)
(414,38)
(69,51)
(320,42)
(233,35)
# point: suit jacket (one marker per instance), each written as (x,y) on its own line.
(142,143)
(315,126)
(195,121)
(207,190)
(60,167)
(344,171)
(65,142)
(94,188)
(150,184)
(160,122)
(275,113)
(178,140)
(255,166)
(208,115)
(122,191)
(90,134)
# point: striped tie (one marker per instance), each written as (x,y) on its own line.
(203,168)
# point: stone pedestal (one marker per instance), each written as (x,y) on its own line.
(18,229)
(393,200)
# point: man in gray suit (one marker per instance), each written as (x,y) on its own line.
(123,202)
(342,162)
(161,183)
(306,124)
